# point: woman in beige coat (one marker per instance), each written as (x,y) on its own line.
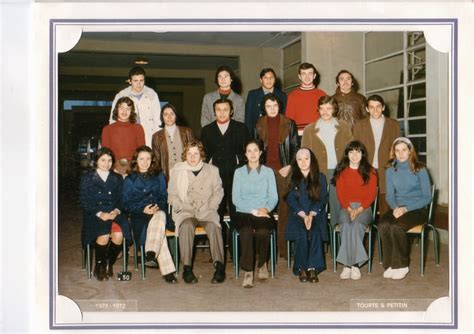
(195,192)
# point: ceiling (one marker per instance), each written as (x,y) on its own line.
(273,39)
(162,60)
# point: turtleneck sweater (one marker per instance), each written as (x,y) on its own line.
(123,138)
(406,188)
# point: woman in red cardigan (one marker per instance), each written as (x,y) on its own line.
(356,186)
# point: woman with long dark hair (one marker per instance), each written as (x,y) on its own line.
(356,186)
(254,194)
(103,220)
(408,194)
(307,197)
(145,197)
(168,143)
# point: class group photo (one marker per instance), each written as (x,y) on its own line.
(253,171)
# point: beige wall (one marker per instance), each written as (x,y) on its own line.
(437,121)
(331,52)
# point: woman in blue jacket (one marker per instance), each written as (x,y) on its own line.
(103,220)
(408,194)
(307,219)
(145,197)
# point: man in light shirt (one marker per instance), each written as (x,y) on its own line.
(377,133)
(147,103)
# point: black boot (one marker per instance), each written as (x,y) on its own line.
(112,253)
(100,262)
(188,275)
(219,274)
(170,278)
(150,260)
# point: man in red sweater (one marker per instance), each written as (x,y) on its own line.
(302,105)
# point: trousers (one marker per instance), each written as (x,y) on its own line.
(394,237)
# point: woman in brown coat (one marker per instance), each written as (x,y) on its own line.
(377,133)
(327,139)
(168,143)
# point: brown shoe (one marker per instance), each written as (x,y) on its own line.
(303,276)
(313,276)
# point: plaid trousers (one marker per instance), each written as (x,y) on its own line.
(156,242)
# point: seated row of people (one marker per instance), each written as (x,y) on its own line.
(195,190)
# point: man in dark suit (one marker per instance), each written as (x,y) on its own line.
(224,141)
(253,106)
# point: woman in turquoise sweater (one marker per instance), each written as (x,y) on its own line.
(408,194)
(254,194)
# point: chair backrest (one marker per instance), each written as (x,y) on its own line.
(327,199)
(374,205)
(430,208)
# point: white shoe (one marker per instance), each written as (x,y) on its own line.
(248,279)
(263,272)
(400,273)
(388,273)
(346,273)
(355,273)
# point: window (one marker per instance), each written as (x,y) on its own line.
(395,68)
(291,62)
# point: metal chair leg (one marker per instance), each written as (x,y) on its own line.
(89,272)
(235,255)
(379,245)
(124,254)
(334,249)
(422,252)
(176,251)
(135,254)
(370,250)
(288,252)
(142,257)
(436,244)
(83,259)
(272,253)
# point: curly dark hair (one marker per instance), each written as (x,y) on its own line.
(365,169)
(271,97)
(312,179)
(154,166)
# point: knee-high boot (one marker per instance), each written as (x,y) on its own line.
(112,253)
(100,262)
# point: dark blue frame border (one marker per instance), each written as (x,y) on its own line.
(452,22)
